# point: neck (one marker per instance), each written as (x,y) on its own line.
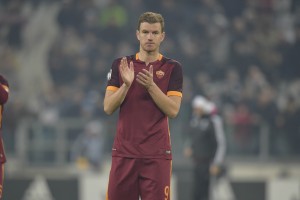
(148,57)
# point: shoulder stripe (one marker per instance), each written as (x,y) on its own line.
(112,88)
(174,93)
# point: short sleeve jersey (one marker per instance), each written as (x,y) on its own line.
(4,89)
(143,129)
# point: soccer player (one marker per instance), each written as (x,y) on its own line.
(147,87)
(3,98)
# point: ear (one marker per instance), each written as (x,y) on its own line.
(137,34)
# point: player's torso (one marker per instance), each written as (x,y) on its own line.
(138,98)
(143,127)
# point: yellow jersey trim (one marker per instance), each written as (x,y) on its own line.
(160,56)
(112,88)
(174,93)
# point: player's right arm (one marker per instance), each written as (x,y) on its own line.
(114,95)
(113,99)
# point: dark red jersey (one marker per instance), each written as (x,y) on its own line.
(3,98)
(143,129)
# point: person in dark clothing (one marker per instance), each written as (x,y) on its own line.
(206,146)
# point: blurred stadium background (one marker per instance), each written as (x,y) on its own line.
(243,54)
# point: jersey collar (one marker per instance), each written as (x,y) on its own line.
(160,56)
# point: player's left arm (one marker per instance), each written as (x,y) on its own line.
(168,103)
(4,90)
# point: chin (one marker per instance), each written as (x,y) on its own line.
(150,49)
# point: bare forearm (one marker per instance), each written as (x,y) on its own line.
(113,100)
(169,105)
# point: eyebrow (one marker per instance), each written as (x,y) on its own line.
(154,31)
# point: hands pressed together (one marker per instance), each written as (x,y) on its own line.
(144,78)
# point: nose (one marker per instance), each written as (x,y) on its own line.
(150,36)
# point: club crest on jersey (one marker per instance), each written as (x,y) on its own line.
(160,74)
(109,75)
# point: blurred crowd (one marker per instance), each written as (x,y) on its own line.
(241,54)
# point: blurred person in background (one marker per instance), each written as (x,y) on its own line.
(289,125)
(206,145)
(87,150)
(147,87)
(4,90)
(244,132)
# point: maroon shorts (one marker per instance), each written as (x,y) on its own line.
(131,178)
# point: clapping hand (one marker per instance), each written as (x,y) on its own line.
(127,72)
(145,77)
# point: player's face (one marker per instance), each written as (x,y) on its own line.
(150,36)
